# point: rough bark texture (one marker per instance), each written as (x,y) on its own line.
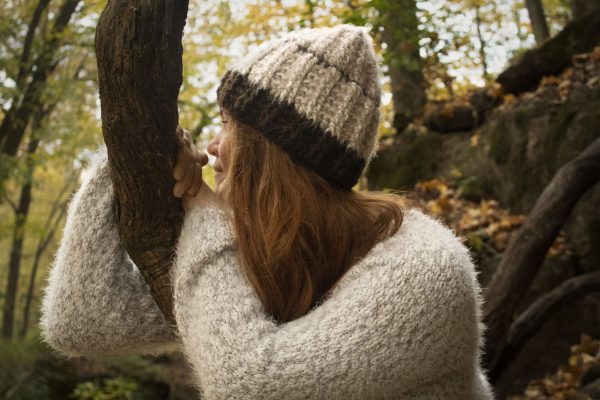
(538,20)
(528,247)
(138,47)
(580,36)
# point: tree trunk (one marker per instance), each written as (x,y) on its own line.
(16,250)
(528,247)
(538,20)
(24,67)
(482,43)
(30,97)
(551,58)
(138,48)
(401,35)
(57,213)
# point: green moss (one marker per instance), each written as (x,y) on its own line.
(400,167)
(558,125)
(472,187)
(111,388)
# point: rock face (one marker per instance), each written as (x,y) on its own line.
(511,158)
(527,144)
(514,154)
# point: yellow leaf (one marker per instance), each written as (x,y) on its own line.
(447,111)
(550,80)
(509,98)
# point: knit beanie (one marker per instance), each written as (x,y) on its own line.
(315,93)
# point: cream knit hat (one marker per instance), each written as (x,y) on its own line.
(315,93)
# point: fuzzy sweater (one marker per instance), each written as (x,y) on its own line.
(403,323)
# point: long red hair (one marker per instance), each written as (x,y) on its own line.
(296,235)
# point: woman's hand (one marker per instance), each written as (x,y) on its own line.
(188,165)
(188,173)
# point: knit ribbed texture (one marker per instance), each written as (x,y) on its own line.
(403,323)
(315,93)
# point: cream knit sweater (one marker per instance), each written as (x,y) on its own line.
(403,323)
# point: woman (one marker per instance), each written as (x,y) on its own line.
(287,285)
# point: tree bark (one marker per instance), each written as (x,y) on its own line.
(401,35)
(528,246)
(529,321)
(57,213)
(580,36)
(138,48)
(537,17)
(16,250)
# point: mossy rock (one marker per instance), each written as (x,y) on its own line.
(473,187)
(402,165)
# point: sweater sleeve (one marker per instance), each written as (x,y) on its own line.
(390,325)
(96,301)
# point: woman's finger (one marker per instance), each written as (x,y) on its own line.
(200,157)
(188,140)
(179,168)
(203,158)
(188,171)
(185,160)
(195,188)
(192,179)
(178,188)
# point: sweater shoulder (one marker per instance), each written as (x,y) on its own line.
(426,233)
(423,252)
(424,238)
(426,243)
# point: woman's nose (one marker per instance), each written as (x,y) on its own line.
(213,146)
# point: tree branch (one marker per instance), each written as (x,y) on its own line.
(26,103)
(528,246)
(50,230)
(8,201)
(528,323)
(138,48)
(581,35)
(35,21)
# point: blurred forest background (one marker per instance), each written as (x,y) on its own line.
(483,103)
